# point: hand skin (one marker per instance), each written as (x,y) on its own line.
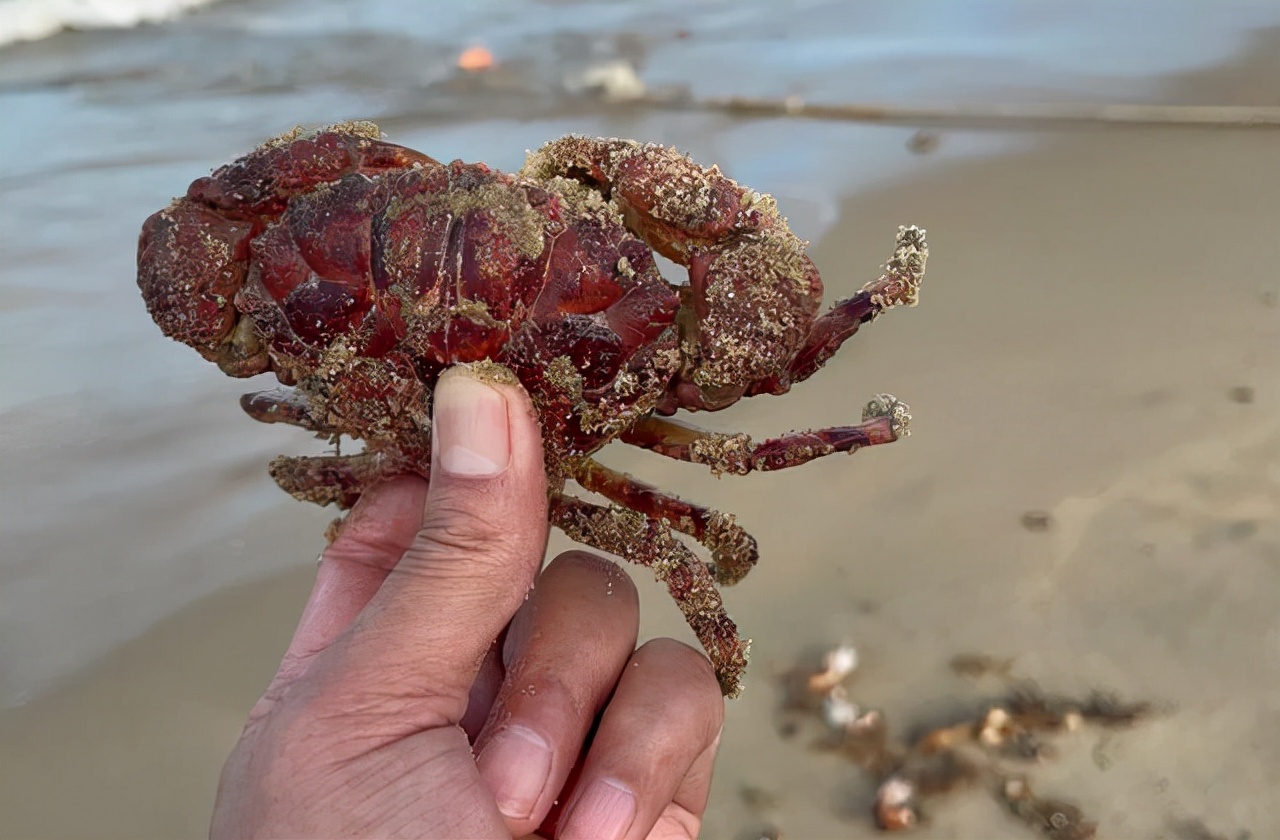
(431,690)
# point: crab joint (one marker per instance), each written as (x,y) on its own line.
(887,405)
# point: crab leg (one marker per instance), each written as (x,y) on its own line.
(898,286)
(885,419)
(648,542)
(284,405)
(332,479)
(732,548)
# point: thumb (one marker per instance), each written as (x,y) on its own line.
(469,568)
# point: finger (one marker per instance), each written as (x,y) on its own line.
(483,691)
(374,535)
(424,635)
(565,651)
(665,715)
(682,818)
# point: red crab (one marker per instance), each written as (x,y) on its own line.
(358,270)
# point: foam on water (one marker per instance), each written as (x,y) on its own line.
(31,20)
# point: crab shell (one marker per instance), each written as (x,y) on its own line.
(359,270)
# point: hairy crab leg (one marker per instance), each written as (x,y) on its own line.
(646,541)
(899,285)
(332,479)
(732,549)
(885,419)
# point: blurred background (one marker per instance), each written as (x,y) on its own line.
(1090,498)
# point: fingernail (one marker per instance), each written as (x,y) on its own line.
(515,765)
(605,812)
(470,435)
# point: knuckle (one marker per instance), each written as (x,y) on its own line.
(362,708)
(359,543)
(532,692)
(456,529)
(362,550)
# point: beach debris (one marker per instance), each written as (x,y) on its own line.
(1054,818)
(844,716)
(895,808)
(977,665)
(1242,394)
(993,747)
(840,662)
(924,142)
(837,710)
(761,804)
(614,81)
(358,271)
(1037,520)
(757,799)
(475,58)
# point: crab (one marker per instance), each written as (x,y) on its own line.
(357,271)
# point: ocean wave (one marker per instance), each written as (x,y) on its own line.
(31,20)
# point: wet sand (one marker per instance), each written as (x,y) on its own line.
(1098,338)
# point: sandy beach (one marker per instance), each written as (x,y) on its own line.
(1098,343)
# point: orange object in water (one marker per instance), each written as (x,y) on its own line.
(475,58)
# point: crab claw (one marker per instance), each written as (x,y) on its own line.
(191,263)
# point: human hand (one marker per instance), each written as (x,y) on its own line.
(431,691)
